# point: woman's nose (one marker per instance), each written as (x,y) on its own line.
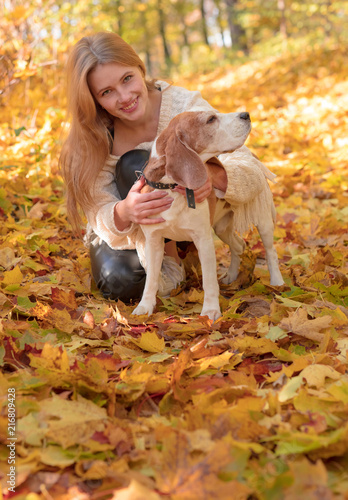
(124,97)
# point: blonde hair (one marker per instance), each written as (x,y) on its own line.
(89,142)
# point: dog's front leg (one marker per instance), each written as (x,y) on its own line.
(154,251)
(266,231)
(206,252)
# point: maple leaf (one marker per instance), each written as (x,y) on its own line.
(298,323)
(149,341)
(185,478)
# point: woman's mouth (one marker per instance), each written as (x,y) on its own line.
(131,106)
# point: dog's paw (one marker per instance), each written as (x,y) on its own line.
(277,281)
(212,314)
(230,277)
(141,309)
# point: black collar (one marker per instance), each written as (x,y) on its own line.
(160,185)
(190,195)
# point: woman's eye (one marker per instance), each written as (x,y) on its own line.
(106,92)
(212,119)
(127,78)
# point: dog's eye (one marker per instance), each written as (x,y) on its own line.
(212,119)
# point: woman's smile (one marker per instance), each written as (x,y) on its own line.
(130,107)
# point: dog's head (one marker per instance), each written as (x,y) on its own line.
(191,139)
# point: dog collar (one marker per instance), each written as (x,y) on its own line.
(160,185)
(190,195)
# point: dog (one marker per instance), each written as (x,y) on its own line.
(179,155)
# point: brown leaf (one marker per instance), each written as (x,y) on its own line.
(298,323)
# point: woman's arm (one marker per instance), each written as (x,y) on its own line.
(218,176)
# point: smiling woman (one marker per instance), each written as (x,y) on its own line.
(116,114)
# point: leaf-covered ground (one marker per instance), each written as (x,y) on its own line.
(109,406)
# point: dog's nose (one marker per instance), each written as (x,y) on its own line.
(244,116)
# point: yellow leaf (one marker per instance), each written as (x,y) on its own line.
(37,210)
(212,361)
(200,440)
(290,389)
(12,277)
(52,358)
(62,320)
(98,470)
(149,341)
(298,323)
(309,479)
(135,491)
(342,345)
(7,257)
(316,375)
(297,365)
(3,300)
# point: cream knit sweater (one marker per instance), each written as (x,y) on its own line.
(247,190)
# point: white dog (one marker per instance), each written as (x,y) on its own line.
(179,156)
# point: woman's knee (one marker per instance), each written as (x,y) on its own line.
(117,273)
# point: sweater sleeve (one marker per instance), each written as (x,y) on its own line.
(246,176)
(101,215)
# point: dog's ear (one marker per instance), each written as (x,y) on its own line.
(183,164)
(155,169)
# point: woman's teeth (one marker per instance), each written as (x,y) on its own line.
(131,105)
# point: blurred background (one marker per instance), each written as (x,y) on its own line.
(173,37)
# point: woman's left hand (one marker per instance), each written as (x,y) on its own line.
(200,194)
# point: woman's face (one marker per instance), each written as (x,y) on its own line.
(120,90)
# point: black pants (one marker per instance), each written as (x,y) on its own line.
(118,273)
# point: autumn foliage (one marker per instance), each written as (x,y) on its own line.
(255,406)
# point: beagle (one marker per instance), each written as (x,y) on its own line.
(178,156)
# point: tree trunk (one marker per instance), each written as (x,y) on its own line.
(238,34)
(162,29)
(219,22)
(119,16)
(204,24)
(147,42)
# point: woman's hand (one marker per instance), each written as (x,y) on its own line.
(200,194)
(141,208)
(219,176)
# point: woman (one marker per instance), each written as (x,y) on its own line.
(116,114)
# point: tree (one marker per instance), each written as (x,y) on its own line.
(204,23)
(238,33)
(162,30)
(220,21)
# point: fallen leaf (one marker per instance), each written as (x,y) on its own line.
(315,375)
(135,491)
(149,341)
(298,323)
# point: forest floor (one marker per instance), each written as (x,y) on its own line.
(254,406)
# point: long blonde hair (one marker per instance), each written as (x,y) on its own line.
(89,142)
